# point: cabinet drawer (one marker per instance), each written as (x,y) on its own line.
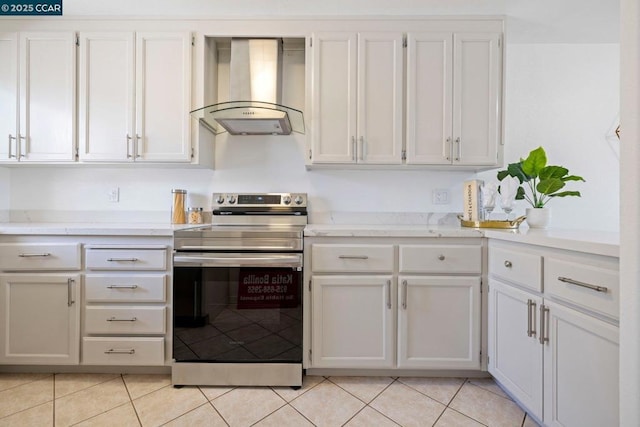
(440,259)
(125,288)
(515,265)
(126,259)
(124,320)
(584,284)
(122,351)
(338,258)
(37,256)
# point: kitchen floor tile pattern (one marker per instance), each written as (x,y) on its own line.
(59,400)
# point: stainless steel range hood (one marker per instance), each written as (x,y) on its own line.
(255,78)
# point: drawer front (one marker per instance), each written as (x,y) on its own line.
(123,351)
(36,256)
(125,288)
(440,259)
(126,259)
(512,264)
(124,320)
(338,258)
(592,286)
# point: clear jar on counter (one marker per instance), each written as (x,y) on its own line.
(195,216)
(177,208)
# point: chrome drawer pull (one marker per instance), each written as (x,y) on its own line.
(122,287)
(45,254)
(404,294)
(353,257)
(70,300)
(441,257)
(531,312)
(583,284)
(389,294)
(120,351)
(115,319)
(122,259)
(544,324)
(508,264)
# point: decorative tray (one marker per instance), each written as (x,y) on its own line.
(512,224)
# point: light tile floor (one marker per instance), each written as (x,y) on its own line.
(149,400)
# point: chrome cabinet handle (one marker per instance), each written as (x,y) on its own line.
(122,259)
(354,148)
(115,319)
(544,324)
(404,294)
(389,294)
(70,300)
(19,146)
(353,257)
(448,141)
(128,147)
(137,146)
(362,154)
(441,257)
(583,284)
(508,264)
(120,351)
(44,254)
(10,138)
(531,312)
(459,150)
(122,287)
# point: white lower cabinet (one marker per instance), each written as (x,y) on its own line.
(439,322)
(365,313)
(353,321)
(40,319)
(552,349)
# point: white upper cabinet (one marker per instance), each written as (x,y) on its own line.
(135,96)
(37,96)
(454,90)
(357,81)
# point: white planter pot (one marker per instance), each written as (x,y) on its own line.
(538,217)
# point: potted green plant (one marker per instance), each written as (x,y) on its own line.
(539,184)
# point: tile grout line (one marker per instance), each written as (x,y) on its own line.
(135,411)
(210,402)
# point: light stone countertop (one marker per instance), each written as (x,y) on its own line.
(594,242)
(92,229)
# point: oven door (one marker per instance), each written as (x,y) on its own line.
(237,307)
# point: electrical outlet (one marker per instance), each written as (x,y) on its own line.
(114,195)
(440,196)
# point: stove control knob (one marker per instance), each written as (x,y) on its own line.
(286,199)
(220,199)
(298,200)
(231,199)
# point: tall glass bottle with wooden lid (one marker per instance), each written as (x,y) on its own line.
(178,215)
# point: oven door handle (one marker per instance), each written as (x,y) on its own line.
(235,260)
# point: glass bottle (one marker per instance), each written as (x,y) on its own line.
(177,208)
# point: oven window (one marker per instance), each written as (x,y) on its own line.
(237,314)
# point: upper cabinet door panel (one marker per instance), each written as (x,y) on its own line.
(8,96)
(47,95)
(379,114)
(429,97)
(163,96)
(476,114)
(334,97)
(106,96)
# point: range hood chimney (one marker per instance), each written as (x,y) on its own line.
(255,79)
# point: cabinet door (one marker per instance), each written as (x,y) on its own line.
(429,97)
(515,358)
(106,96)
(477,80)
(8,96)
(47,96)
(352,318)
(40,321)
(439,322)
(580,370)
(163,97)
(379,115)
(333,88)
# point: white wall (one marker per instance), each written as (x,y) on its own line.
(565,97)
(5,190)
